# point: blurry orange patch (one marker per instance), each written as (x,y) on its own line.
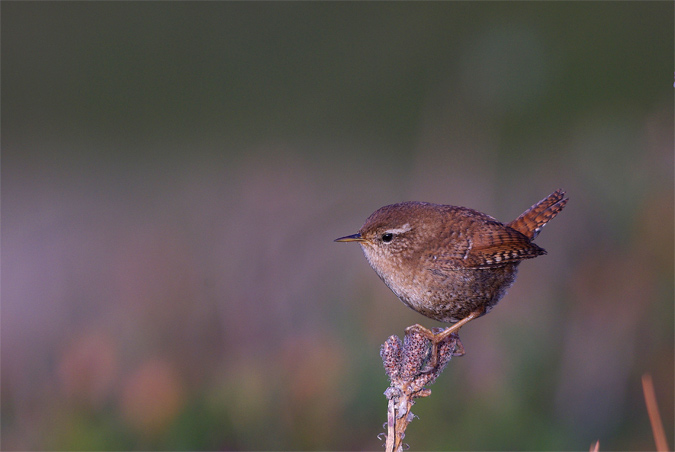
(152,397)
(313,374)
(314,367)
(88,369)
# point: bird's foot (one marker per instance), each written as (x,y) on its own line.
(437,337)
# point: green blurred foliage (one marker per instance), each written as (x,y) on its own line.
(173,174)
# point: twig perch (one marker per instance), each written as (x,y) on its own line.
(407,367)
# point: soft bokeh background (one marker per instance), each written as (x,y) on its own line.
(173,175)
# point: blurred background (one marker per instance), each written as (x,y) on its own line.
(174,174)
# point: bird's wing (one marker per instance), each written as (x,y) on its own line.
(495,245)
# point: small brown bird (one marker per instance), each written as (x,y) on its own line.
(451,264)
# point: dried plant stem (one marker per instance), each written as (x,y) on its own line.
(390,445)
(398,418)
(408,370)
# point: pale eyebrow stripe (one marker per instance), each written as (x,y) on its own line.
(405,228)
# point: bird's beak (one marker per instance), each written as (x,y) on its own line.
(351,238)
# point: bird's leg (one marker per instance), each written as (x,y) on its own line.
(455,328)
(437,338)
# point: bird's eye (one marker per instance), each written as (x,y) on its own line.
(387,237)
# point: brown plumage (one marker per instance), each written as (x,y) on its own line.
(451,263)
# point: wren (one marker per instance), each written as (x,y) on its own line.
(451,264)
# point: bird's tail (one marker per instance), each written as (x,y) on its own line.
(533,219)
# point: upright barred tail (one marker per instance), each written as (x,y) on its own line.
(533,219)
